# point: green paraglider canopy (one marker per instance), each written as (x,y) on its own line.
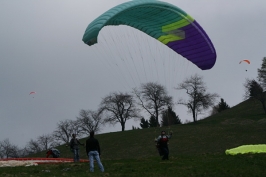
(245,149)
(163,21)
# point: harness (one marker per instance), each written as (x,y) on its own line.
(162,142)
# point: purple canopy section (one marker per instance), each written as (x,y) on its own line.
(196,46)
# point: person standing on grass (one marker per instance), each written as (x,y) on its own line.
(74,146)
(93,151)
(162,145)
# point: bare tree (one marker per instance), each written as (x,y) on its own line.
(46,141)
(33,147)
(255,91)
(1,153)
(90,121)
(153,98)
(15,151)
(75,128)
(23,152)
(7,149)
(65,129)
(199,100)
(118,108)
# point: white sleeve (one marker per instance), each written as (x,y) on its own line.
(159,137)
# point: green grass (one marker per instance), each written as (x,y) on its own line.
(196,149)
(216,165)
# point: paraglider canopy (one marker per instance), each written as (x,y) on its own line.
(244,149)
(164,22)
(32,93)
(245,61)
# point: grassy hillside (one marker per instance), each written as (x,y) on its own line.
(196,149)
(242,124)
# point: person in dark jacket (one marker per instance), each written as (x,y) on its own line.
(93,151)
(162,145)
(74,146)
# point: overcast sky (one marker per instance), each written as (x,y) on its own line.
(41,50)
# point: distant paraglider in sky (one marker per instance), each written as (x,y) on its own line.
(245,61)
(32,93)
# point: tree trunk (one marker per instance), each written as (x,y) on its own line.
(123,126)
(194,115)
(157,117)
